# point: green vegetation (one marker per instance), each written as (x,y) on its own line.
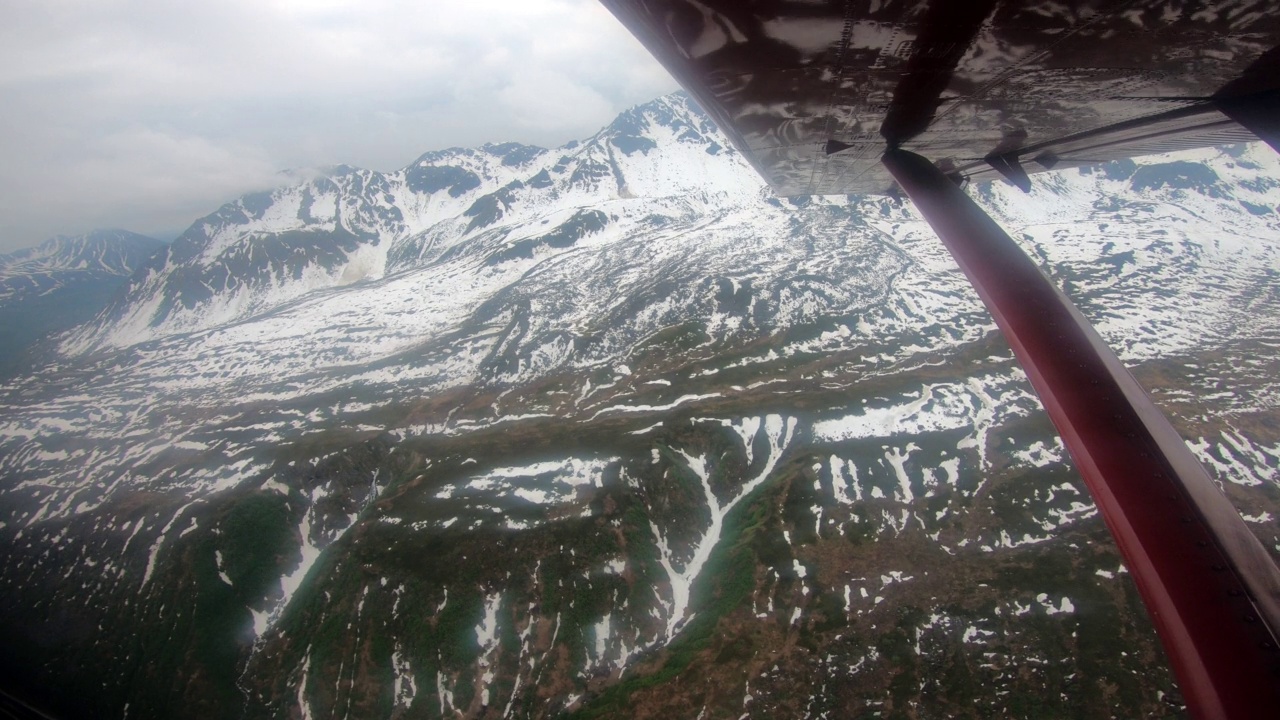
(256,534)
(727,581)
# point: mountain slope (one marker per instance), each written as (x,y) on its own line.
(609,430)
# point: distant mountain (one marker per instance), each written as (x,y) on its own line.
(349,225)
(61,283)
(608,430)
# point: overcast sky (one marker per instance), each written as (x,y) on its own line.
(147,114)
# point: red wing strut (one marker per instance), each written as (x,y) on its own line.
(1195,562)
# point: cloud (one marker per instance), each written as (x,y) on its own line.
(148,113)
(539,99)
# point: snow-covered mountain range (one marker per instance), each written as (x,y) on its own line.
(349,225)
(61,283)
(515,432)
(64,260)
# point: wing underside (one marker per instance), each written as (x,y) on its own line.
(813,93)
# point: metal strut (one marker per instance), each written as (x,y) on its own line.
(1210,587)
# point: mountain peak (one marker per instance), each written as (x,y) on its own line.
(637,128)
(513,153)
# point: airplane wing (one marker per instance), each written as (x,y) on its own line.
(813,93)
